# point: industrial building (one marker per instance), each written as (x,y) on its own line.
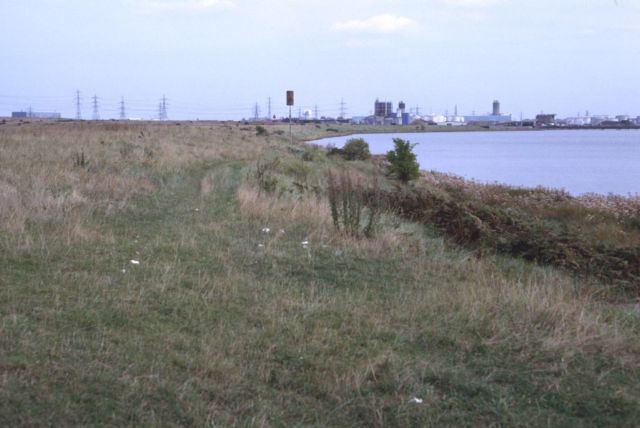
(34,115)
(495,118)
(545,120)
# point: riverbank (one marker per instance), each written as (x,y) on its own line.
(164,274)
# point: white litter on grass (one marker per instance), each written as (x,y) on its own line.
(123,271)
(260,245)
(416,400)
(305,244)
(135,262)
(196,209)
(282,231)
(266,230)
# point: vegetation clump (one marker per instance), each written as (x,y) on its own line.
(261,130)
(356,149)
(349,199)
(402,161)
(539,225)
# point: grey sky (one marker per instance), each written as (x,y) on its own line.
(217,58)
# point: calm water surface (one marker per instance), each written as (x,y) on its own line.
(578,161)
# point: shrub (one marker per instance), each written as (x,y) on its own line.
(265,175)
(261,130)
(352,209)
(402,161)
(356,149)
(79,160)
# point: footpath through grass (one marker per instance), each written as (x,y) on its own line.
(248,309)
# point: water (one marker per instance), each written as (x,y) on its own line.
(578,161)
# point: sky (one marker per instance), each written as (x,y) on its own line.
(217,59)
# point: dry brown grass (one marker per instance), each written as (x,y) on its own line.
(42,182)
(543,303)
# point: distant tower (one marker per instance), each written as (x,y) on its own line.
(342,108)
(269,108)
(496,108)
(123,112)
(96,114)
(256,112)
(455,110)
(315,112)
(163,108)
(401,107)
(78,112)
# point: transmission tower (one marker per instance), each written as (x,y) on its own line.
(96,114)
(269,108)
(162,109)
(256,112)
(123,111)
(78,111)
(342,108)
(315,112)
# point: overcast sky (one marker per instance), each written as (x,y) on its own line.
(217,58)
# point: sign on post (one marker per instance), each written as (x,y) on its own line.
(289,98)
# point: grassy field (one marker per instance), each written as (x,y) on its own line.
(189,274)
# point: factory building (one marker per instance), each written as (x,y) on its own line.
(34,115)
(495,118)
(384,114)
(546,120)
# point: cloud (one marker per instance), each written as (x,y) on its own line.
(473,3)
(385,23)
(191,6)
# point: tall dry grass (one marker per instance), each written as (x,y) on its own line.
(536,305)
(42,182)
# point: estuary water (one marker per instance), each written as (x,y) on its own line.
(578,161)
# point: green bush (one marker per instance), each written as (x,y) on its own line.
(356,149)
(261,130)
(402,161)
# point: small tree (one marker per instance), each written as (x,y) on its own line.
(356,149)
(402,161)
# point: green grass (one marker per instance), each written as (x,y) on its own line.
(222,324)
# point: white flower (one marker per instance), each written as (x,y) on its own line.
(416,400)
(266,230)
(135,262)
